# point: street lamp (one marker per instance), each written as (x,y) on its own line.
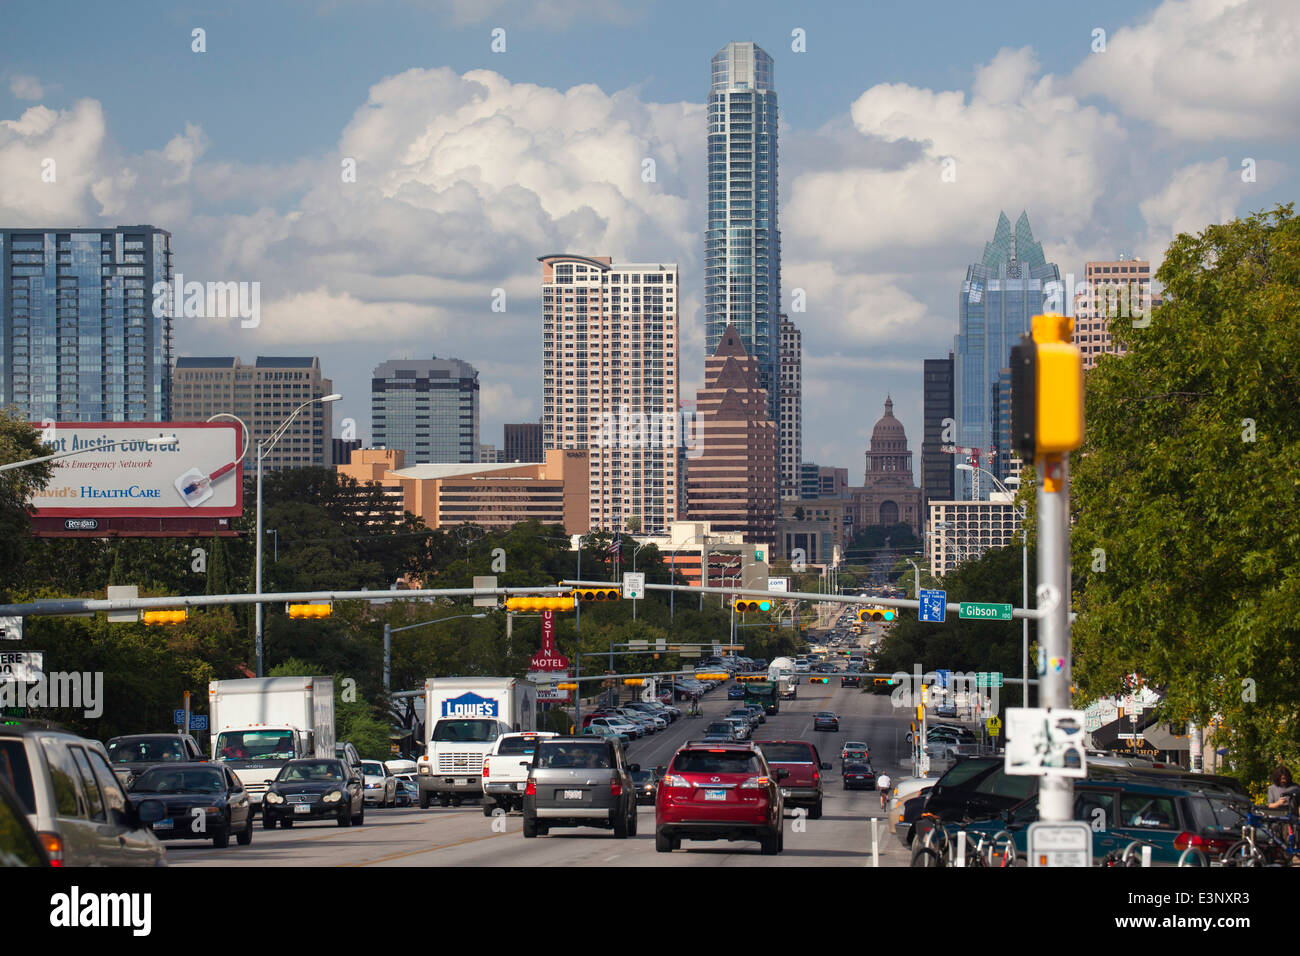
(1024,583)
(672,568)
(264,446)
(389,631)
(635,552)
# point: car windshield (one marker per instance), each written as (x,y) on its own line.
(160,780)
(372,768)
(320,771)
(255,745)
(787,753)
(716,761)
(144,750)
(471,731)
(572,755)
(719,727)
(643,776)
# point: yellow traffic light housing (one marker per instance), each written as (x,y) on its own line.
(1046,390)
(633,681)
(586,595)
(750,605)
(877,614)
(309,611)
(167,616)
(714,676)
(539,602)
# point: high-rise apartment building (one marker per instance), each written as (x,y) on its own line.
(999,298)
(937,464)
(523,442)
(427,408)
(80,337)
(609,383)
(732,484)
(263,395)
(790,424)
(1118,290)
(742,247)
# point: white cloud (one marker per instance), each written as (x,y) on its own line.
(1196,196)
(26,87)
(49,161)
(1204,69)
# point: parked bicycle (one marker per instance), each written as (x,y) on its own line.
(1260,844)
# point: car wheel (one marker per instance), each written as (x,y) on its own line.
(780,841)
(345,818)
(488,807)
(268,821)
(663,842)
(620,824)
(221,839)
(815,811)
(444,800)
(360,818)
(245,835)
(768,845)
(530,827)
(424,799)
(631,823)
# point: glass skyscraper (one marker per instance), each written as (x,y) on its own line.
(428,408)
(1001,295)
(742,248)
(79,340)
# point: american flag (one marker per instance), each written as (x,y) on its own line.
(615,546)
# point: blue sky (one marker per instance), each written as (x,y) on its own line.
(465,176)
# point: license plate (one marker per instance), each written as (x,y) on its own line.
(302,808)
(572,794)
(462,783)
(715,795)
(167,824)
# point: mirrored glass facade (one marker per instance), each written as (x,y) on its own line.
(428,408)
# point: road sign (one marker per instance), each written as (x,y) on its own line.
(934,606)
(988,679)
(778,584)
(1045,742)
(972,610)
(123,592)
(11,628)
(197,721)
(1060,844)
(485,581)
(548,658)
(22,667)
(634,584)
(944,676)
(993,725)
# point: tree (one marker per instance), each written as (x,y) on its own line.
(1186,545)
(19,441)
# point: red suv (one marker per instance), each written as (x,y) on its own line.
(803,785)
(720,792)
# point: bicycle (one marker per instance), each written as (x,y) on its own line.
(1129,856)
(933,851)
(1271,850)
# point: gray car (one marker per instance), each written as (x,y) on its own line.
(580,782)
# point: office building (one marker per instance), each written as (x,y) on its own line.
(85,323)
(341,449)
(427,408)
(742,247)
(821,481)
(999,298)
(732,485)
(1118,290)
(263,395)
(940,431)
(609,382)
(523,442)
(963,530)
(790,424)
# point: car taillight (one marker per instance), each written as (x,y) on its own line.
(615,788)
(1185,839)
(53,844)
(531,789)
(755,783)
(485,766)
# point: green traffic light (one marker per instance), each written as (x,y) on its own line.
(765,605)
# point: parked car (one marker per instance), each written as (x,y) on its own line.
(858,776)
(802,785)
(132,753)
(380,784)
(314,789)
(580,782)
(726,792)
(900,792)
(203,801)
(74,801)
(825,720)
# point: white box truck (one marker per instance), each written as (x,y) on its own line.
(259,723)
(784,674)
(463,717)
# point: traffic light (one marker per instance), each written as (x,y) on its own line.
(597,594)
(714,676)
(818,680)
(557,602)
(309,610)
(633,681)
(884,681)
(744,605)
(1046,390)
(877,614)
(169,616)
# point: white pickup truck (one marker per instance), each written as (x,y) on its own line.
(505,770)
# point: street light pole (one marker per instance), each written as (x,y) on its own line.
(389,631)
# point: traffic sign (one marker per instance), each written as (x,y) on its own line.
(988,679)
(1060,844)
(973,610)
(197,721)
(22,667)
(934,606)
(993,725)
(11,628)
(634,585)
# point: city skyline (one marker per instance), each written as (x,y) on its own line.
(873,236)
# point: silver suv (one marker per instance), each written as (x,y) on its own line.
(74,801)
(580,782)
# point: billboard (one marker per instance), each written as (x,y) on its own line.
(121,480)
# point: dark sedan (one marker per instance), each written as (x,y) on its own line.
(647,784)
(134,753)
(736,692)
(202,801)
(314,789)
(859,776)
(851,680)
(826,721)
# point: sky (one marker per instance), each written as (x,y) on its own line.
(485,133)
